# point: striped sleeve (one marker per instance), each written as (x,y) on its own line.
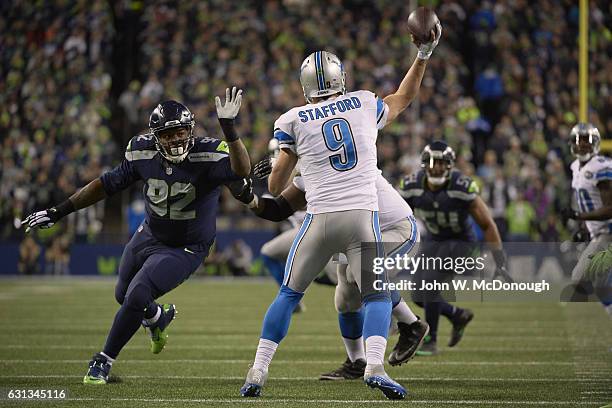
(382,111)
(604,174)
(283,133)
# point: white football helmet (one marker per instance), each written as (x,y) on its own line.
(584,141)
(322,74)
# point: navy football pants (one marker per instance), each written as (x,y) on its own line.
(148,270)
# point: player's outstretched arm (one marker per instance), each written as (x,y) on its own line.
(88,195)
(281,172)
(239,157)
(273,209)
(409,87)
(479,211)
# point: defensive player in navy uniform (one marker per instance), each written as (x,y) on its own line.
(445,199)
(182,176)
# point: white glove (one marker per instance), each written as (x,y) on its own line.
(425,50)
(232,104)
(40,219)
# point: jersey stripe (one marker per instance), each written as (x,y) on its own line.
(294,247)
(206,157)
(380,109)
(132,155)
(604,174)
(407,246)
(461,195)
(283,136)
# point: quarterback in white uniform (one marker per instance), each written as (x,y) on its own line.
(592,188)
(334,137)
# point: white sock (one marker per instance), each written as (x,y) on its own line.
(403,313)
(354,348)
(265,352)
(154,319)
(375,349)
(108,359)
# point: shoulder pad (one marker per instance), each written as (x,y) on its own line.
(141,147)
(462,187)
(412,185)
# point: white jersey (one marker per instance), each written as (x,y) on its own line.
(392,207)
(584,184)
(335,141)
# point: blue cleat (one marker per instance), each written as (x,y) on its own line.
(99,367)
(375,377)
(253,383)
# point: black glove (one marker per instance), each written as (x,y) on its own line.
(263,168)
(242,190)
(580,236)
(568,214)
(500,265)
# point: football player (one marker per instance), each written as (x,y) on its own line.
(400,235)
(334,136)
(445,199)
(592,187)
(182,175)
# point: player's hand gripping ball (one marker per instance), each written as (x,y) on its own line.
(425,29)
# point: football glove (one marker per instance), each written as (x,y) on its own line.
(500,265)
(41,219)
(580,236)
(263,168)
(568,214)
(425,50)
(233,100)
(242,190)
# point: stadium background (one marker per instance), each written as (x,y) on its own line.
(79,78)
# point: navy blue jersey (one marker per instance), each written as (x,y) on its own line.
(181,198)
(445,212)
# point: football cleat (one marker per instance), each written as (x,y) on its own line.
(99,367)
(459,324)
(410,339)
(158,330)
(347,371)
(254,382)
(428,348)
(375,377)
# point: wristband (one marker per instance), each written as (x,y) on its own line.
(63,209)
(227,125)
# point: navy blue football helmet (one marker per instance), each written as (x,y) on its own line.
(169,115)
(437,151)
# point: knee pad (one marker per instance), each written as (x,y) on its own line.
(139,297)
(347,300)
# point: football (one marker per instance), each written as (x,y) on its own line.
(420,23)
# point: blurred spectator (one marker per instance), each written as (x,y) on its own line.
(521,220)
(501,87)
(238,257)
(29,253)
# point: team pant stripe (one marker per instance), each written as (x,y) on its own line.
(296,243)
(407,245)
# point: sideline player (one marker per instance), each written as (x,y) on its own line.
(182,175)
(592,187)
(445,199)
(334,136)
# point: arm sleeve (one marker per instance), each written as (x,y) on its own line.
(275,209)
(119,178)
(283,132)
(382,112)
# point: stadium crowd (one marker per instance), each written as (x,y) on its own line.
(502,89)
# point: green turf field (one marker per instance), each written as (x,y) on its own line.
(513,354)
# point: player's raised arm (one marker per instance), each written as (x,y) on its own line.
(281,172)
(409,87)
(239,157)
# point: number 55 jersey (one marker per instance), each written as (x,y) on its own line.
(586,193)
(335,141)
(181,198)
